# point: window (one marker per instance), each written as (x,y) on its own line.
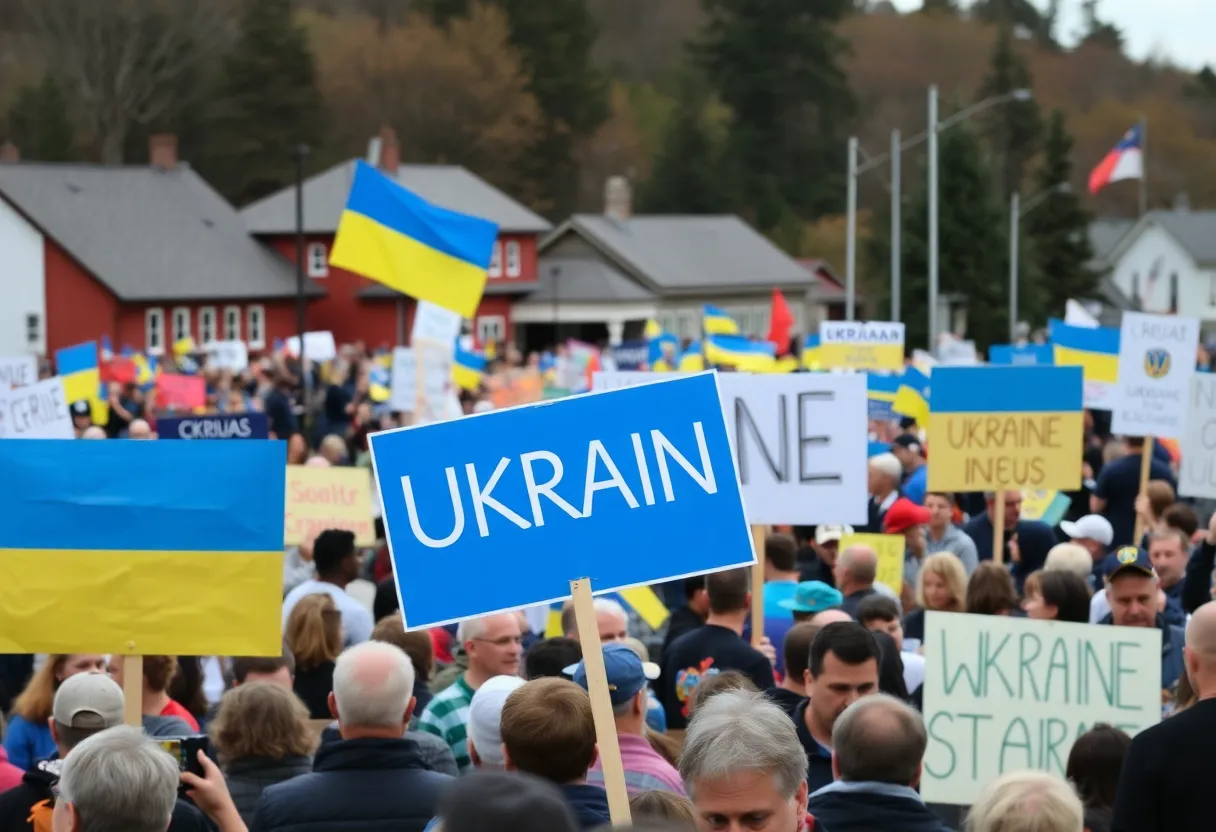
(33,331)
(232,323)
(154,331)
(206,324)
(318,262)
(255,326)
(514,261)
(491,328)
(496,261)
(181,323)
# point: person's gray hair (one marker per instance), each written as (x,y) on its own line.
(469,629)
(1027,801)
(737,731)
(888,464)
(373,684)
(570,622)
(879,739)
(119,780)
(1070,557)
(861,562)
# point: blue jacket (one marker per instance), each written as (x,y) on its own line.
(863,807)
(364,785)
(1035,540)
(28,742)
(1173,639)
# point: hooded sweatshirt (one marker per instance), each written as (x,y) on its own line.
(845,806)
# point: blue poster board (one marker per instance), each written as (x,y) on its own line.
(219,426)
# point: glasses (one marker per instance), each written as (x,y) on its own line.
(505,641)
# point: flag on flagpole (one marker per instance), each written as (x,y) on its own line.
(716,322)
(780,321)
(1125,161)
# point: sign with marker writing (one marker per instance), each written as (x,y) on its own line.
(227,355)
(328,498)
(890,550)
(1006,694)
(18,371)
(1005,427)
(37,411)
(1198,475)
(531,498)
(861,345)
(436,373)
(1156,361)
(218,426)
(435,323)
(799,440)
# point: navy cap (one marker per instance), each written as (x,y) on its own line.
(1131,559)
(812,596)
(627,673)
(81,408)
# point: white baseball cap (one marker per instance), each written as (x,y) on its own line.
(485,717)
(1092,527)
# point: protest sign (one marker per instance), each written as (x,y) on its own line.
(994,428)
(573,488)
(18,371)
(318,346)
(1156,361)
(1003,694)
(1021,355)
(39,411)
(180,392)
(227,355)
(1046,506)
(861,345)
(1198,475)
(435,323)
(890,549)
(327,498)
(181,555)
(218,426)
(515,387)
(436,373)
(799,440)
(630,355)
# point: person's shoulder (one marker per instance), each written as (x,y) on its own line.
(187,817)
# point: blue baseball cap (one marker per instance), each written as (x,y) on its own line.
(627,673)
(1130,559)
(812,596)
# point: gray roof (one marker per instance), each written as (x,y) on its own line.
(148,234)
(1194,230)
(674,255)
(449,186)
(1105,234)
(580,280)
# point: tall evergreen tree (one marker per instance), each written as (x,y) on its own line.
(776,65)
(40,124)
(1098,30)
(1059,226)
(1013,129)
(686,177)
(267,103)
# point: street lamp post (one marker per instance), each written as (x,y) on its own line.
(1016,212)
(896,226)
(850,273)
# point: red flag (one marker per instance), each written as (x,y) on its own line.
(780,322)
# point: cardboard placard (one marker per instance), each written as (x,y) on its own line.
(327,498)
(1156,361)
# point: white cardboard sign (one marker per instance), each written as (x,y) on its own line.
(318,346)
(38,411)
(228,355)
(1198,475)
(435,323)
(1156,361)
(799,442)
(18,371)
(436,380)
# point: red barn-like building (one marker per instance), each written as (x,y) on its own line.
(357,309)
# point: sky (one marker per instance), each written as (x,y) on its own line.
(1180,30)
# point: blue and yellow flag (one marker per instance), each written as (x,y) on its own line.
(642,600)
(912,397)
(739,352)
(881,389)
(80,370)
(184,557)
(1094,349)
(467,369)
(691,360)
(812,353)
(397,238)
(716,322)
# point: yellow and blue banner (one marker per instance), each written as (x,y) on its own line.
(692,359)
(812,352)
(739,352)
(716,322)
(80,369)
(861,345)
(87,554)
(642,600)
(996,428)
(1094,349)
(467,368)
(912,396)
(881,390)
(395,237)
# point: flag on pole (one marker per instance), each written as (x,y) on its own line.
(716,322)
(1125,161)
(780,321)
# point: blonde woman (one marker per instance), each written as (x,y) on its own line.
(941,587)
(1027,801)
(28,738)
(314,634)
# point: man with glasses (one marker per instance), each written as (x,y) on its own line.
(493,645)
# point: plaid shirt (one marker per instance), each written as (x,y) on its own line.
(447,717)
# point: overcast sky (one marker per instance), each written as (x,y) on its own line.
(1180,29)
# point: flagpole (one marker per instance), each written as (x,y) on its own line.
(1143,165)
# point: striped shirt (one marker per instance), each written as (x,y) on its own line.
(447,717)
(645,770)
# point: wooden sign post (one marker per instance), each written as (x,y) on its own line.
(759,534)
(998,526)
(1146,468)
(601,703)
(133,690)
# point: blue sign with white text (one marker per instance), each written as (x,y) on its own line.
(502,510)
(217,426)
(1022,355)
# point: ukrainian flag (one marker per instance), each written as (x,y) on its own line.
(652,330)
(716,322)
(664,348)
(397,238)
(379,382)
(1094,349)
(184,346)
(80,371)
(467,369)
(881,390)
(739,352)
(812,357)
(642,600)
(692,360)
(185,558)
(912,397)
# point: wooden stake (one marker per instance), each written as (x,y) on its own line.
(601,703)
(998,526)
(759,533)
(133,690)
(1146,469)
(420,376)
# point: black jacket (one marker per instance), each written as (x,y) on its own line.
(248,778)
(362,785)
(864,807)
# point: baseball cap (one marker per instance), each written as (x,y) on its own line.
(812,596)
(1131,559)
(90,701)
(826,534)
(495,801)
(909,441)
(1091,526)
(903,515)
(627,673)
(485,717)
(81,408)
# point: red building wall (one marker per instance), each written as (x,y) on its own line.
(279,318)
(78,307)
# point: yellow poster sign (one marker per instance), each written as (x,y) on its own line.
(328,498)
(861,345)
(890,551)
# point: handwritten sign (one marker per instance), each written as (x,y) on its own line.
(435,323)
(890,550)
(18,371)
(1005,427)
(1156,361)
(1004,694)
(328,498)
(1198,475)
(861,345)
(39,411)
(1046,506)
(436,374)
(318,346)
(228,355)
(180,392)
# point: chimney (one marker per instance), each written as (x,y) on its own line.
(618,198)
(390,152)
(10,154)
(162,151)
